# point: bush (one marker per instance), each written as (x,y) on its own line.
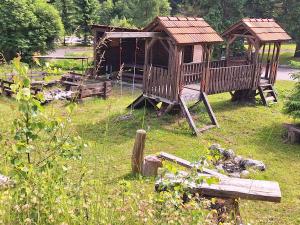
(28,26)
(38,155)
(292,105)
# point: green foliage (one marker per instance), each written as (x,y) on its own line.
(40,149)
(289,16)
(66,9)
(68,64)
(122,22)
(135,12)
(86,11)
(292,105)
(28,26)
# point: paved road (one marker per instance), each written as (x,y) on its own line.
(285,73)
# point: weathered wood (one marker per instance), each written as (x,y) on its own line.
(134,35)
(188,164)
(209,109)
(151,165)
(188,116)
(231,188)
(138,152)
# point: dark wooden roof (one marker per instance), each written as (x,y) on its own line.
(185,30)
(265,30)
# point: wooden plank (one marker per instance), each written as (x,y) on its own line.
(188,164)
(134,35)
(209,109)
(233,188)
(188,115)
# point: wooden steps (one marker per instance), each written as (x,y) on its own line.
(267,94)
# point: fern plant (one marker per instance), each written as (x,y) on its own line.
(292,105)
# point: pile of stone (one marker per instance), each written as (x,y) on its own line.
(57,94)
(234,165)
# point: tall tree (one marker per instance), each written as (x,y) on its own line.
(27,27)
(136,12)
(86,11)
(290,14)
(66,10)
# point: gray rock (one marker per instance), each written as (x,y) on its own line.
(255,164)
(229,154)
(214,147)
(219,167)
(238,159)
(221,151)
(245,174)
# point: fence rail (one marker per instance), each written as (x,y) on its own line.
(158,82)
(225,79)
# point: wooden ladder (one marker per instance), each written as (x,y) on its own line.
(267,94)
(189,117)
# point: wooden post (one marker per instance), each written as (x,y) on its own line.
(138,152)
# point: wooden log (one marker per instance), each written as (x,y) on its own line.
(138,152)
(151,165)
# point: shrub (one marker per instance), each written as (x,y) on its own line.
(292,105)
(39,152)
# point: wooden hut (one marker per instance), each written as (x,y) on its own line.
(264,38)
(177,65)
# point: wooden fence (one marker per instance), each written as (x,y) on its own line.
(192,72)
(225,79)
(159,82)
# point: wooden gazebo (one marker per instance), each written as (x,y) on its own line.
(177,65)
(264,38)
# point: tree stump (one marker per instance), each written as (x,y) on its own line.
(138,152)
(293,133)
(151,165)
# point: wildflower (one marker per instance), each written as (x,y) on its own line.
(25,207)
(27,221)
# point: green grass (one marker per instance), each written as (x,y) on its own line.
(251,130)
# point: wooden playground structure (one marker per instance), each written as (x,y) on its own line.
(176,54)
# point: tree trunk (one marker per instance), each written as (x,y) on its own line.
(297,52)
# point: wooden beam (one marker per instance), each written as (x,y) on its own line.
(188,164)
(134,35)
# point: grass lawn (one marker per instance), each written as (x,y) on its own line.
(251,130)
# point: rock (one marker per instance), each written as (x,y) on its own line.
(221,151)
(255,164)
(229,154)
(214,147)
(219,167)
(245,174)
(237,159)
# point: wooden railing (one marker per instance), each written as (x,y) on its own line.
(217,64)
(192,72)
(225,79)
(158,82)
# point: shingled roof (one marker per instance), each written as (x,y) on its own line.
(185,30)
(265,30)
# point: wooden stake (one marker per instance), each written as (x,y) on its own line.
(138,152)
